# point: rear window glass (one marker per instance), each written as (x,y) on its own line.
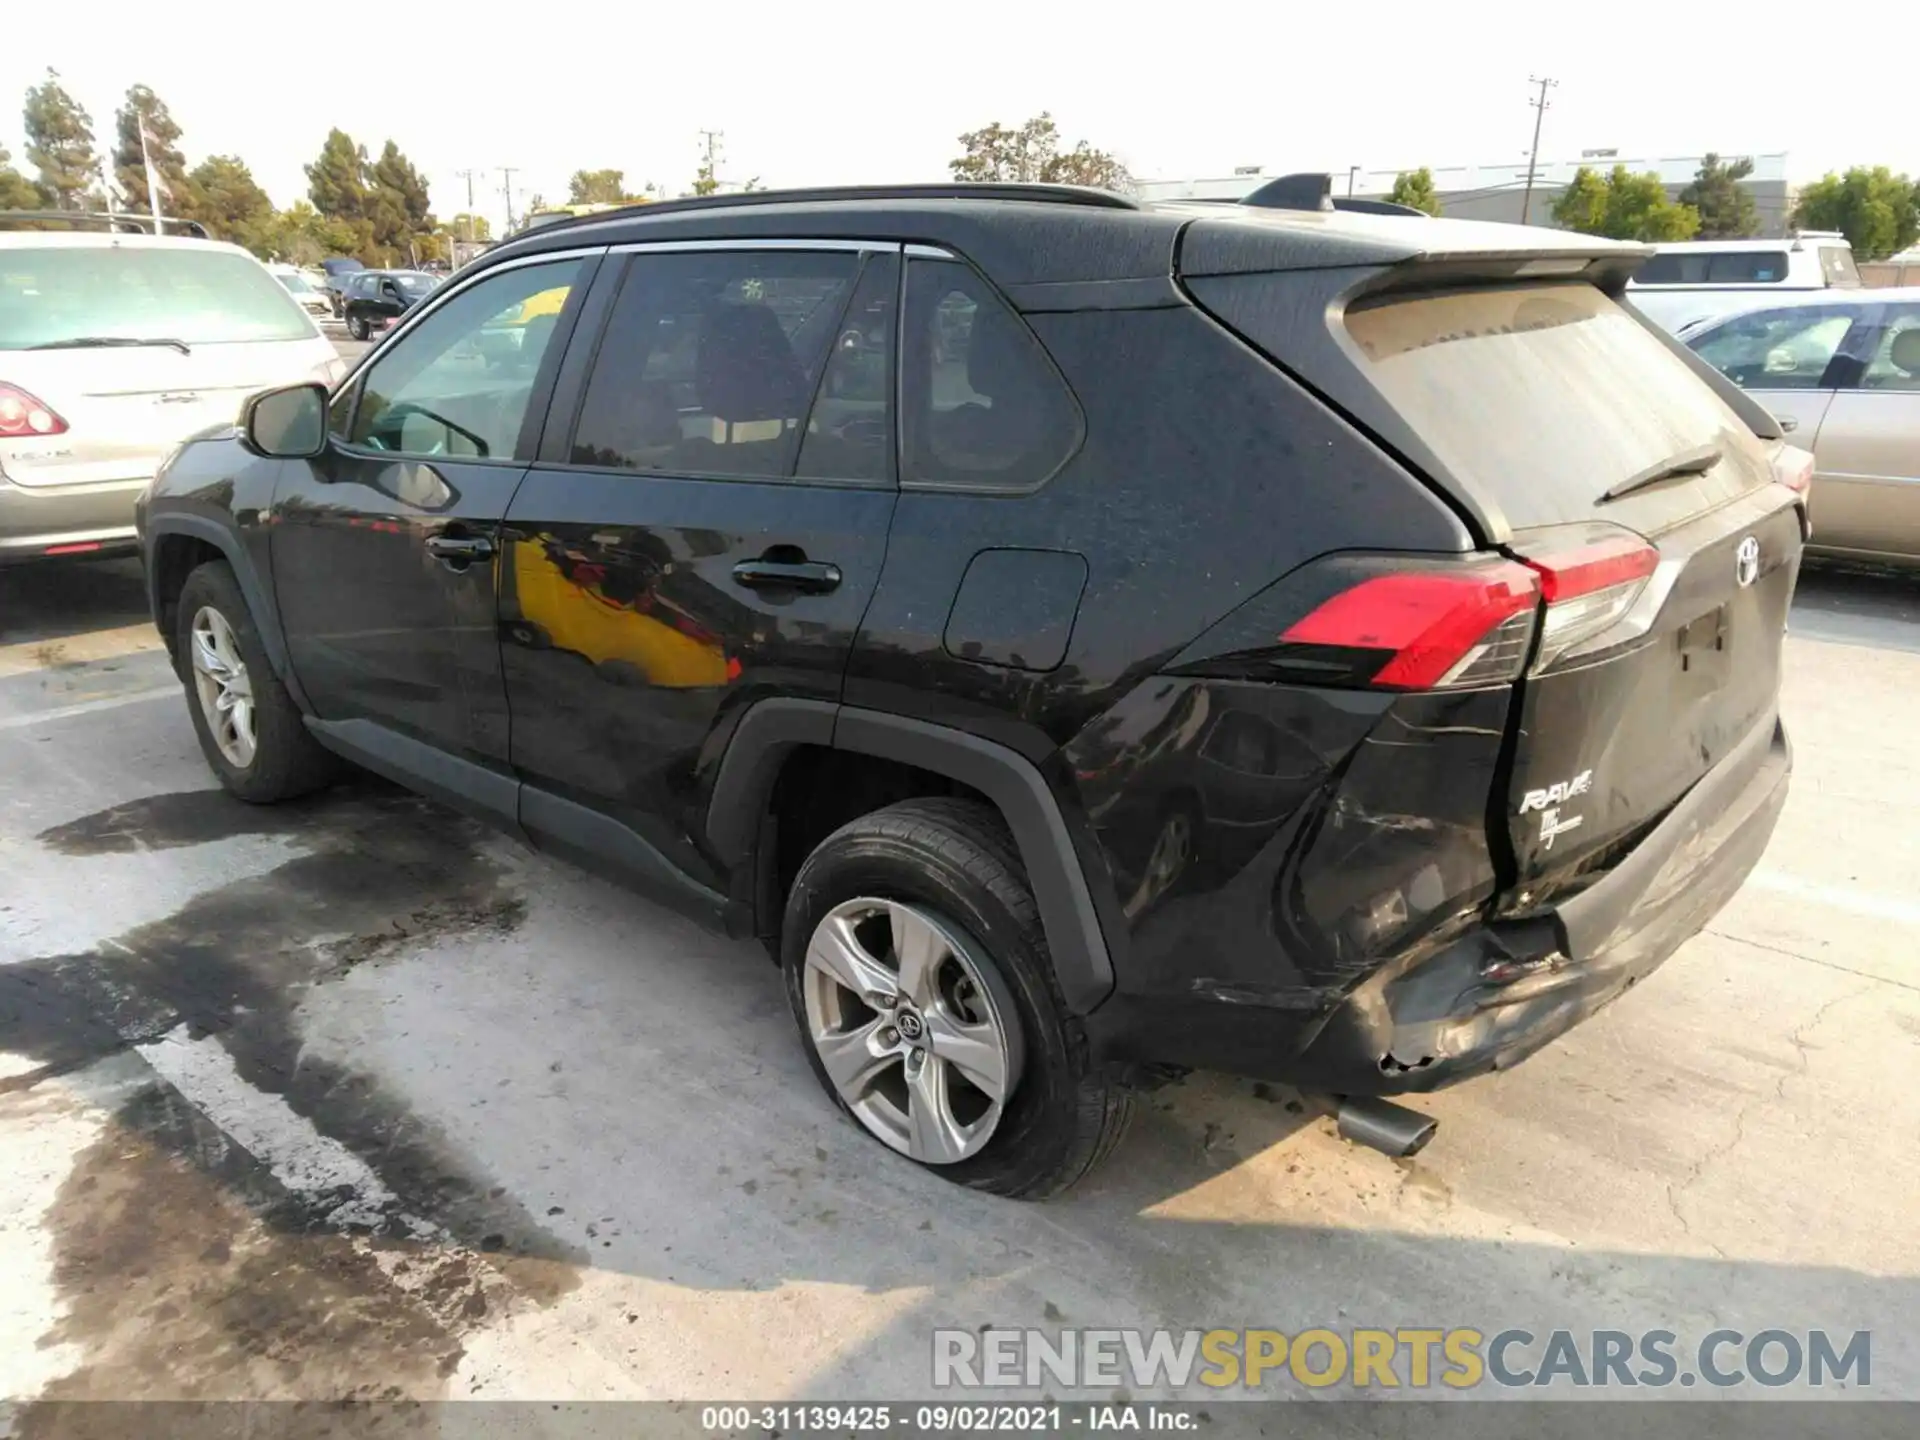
(1837,265)
(1714,267)
(1546,397)
(202,297)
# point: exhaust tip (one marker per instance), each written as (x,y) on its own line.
(1384,1126)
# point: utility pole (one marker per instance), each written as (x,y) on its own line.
(1540,105)
(712,142)
(1352,170)
(467,175)
(507,190)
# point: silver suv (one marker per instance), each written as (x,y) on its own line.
(114,348)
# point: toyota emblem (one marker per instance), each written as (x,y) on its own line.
(1746,562)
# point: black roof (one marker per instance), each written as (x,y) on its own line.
(1027,235)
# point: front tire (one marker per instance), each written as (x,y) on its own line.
(248,726)
(919,976)
(357,327)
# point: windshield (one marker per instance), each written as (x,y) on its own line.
(415,284)
(199,296)
(1548,396)
(296,283)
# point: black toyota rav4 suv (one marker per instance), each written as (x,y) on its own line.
(1083,640)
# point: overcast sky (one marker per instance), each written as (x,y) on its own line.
(860,91)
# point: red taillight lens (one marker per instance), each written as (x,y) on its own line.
(1589,588)
(1793,468)
(1429,628)
(23,415)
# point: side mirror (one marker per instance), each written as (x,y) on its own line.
(287,424)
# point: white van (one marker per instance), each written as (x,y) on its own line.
(115,347)
(1695,280)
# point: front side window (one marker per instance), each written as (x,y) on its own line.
(710,360)
(1777,349)
(1836,263)
(984,406)
(1896,358)
(459,383)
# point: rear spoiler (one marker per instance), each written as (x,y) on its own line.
(103,220)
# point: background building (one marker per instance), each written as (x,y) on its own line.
(1496,192)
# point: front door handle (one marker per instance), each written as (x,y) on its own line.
(1788,424)
(809,577)
(459,551)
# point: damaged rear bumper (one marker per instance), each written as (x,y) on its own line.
(1494,995)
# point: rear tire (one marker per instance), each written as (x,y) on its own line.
(357,327)
(266,753)
(953,864)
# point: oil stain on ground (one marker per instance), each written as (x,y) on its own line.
(186,1269)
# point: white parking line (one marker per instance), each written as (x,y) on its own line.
(86,707)
(311,1165)
(1838,897)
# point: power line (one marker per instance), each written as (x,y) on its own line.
(1540,105)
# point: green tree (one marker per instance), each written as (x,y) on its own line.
(1415,188)
(163,148)
(60,145)
(470,227)
(600,187)
(1623,206)
(337,181)
(302,235)
(396,208)
(1032,152)
(1726,208)
(1878,211)
(16,191)
(705,182)
(226,199)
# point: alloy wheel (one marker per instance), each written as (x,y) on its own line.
(224,688)
(914,1027)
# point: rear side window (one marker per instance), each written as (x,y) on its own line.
(1714,267)
(201,296)
(1896,358)
(709,362)
(1545,396)
(1786,349)
(984,406)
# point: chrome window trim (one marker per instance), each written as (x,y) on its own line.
(668,247)
(930,252)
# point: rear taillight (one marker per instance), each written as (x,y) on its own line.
(1427,629)
(22,415)
(1793,468)
(1588,588)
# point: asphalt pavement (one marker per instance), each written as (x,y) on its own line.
(352,1097)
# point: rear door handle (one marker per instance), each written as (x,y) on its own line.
(459,551)
(809,577)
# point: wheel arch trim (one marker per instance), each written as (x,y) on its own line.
(1068,912)
(253,588)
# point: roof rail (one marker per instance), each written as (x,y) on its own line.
(1046,194)
(82,219)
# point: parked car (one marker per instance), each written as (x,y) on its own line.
(375,299)
(338,270)
(874,572)
(1841,370)
(114,348)
(1691,281)
(316,303)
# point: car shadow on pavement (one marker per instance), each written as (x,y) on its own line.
(1857,604)
(503,1079)
(53,600)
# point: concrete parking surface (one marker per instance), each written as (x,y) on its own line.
(354,1098)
